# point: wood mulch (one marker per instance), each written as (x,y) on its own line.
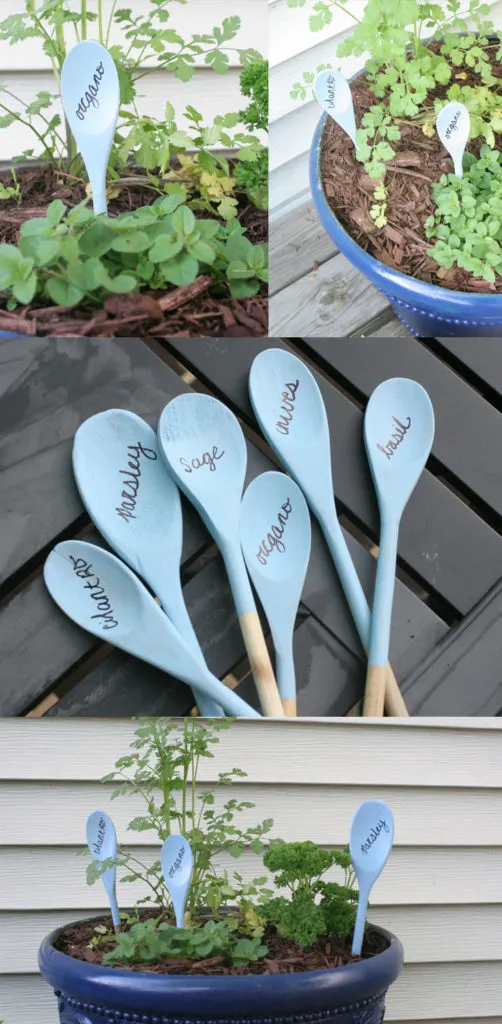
(284,956)
(419,162)
(195,310)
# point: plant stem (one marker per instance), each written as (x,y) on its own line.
(110,22)
(83,18)
(101,22)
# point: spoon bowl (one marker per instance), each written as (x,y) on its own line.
(275,539)
(102,842)
(90,93)
(176,860)
(371,838)
(333,92)
(136,506)
(103,596)
(453,126)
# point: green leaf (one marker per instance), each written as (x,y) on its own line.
(63,293)
(121,284)
(134,241)
(183,221)
(24,291)
(164,248)
(203,252)
(55,212)
(181,271)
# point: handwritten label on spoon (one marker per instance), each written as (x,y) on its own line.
(206,459)
(453,127)
(126,510)
(396,438)
(100,837)
(273,541)
(379,826)
(90,97)
(333,92)
(85,571)
(288,407)
(177,862)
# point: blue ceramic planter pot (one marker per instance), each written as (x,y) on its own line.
(89,994)
(425,309)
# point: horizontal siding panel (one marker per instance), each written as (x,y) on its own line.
(463,753)
(195,17)
(434,817)
(431,876)
(466,932)
(469,992)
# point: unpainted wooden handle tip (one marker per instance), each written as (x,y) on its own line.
(374,695)
(289,705)
(394,700)
(261,666)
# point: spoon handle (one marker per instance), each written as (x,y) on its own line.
(254,641)
(358,605)
(175,608)
(286,680)
(381,620)
(114,907)
(362,909)
(99,201)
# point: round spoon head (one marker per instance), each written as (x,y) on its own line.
(275,540)
(333,92)
(398,434)
(127,492)
(205,451)
(453,127)
(290,410)
(176,859)
(102,842)
(371,838)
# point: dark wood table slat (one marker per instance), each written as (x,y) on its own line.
(483,356)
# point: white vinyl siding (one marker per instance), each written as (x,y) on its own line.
(293,50)
(441,891)
(25,69)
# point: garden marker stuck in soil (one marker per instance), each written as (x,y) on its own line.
(371,838)
(102,843)
(333,92)
(453,126)
(176,859)
(90,94)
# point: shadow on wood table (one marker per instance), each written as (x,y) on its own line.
(446,644)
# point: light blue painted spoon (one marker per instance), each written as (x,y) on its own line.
(136,505)
(205,451)
(398,434)
(90,93)
(290,410)
(100,593)
(176,860)
(275,538)
(371,838)
(102,843)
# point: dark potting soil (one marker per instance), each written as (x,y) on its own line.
(196,310)
(419,162)
(284,956)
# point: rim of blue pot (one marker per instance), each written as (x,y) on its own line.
(221,996)
(376,269)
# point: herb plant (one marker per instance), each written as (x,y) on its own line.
(226,917)
(145,39)
(72,257)
(252,176)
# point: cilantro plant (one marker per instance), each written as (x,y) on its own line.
(405,73)
(467,223)
(226,916)
(72,257)
(145,39)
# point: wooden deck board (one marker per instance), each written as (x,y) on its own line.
(293,253)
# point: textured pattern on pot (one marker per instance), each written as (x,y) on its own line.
(90,994)
(425,309)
